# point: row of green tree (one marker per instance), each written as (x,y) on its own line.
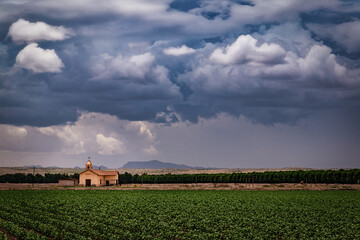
(313,176)
(37,178)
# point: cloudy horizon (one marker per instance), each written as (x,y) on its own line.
(221,84)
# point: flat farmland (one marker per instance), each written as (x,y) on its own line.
(42,171)
(196,214)
(188,186)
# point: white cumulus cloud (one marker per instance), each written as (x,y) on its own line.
(245,50)
(25,31)
(320,65)
(140,75)
(345,34)
(72,139)
(137,66)
(249,69)
(150,150)
(110,145)
(179,51)
(16,131)
(39,60)
(12,138)
(96,133)
(143,129)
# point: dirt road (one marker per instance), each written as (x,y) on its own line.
(198,186)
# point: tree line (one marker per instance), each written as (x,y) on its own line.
(37,178)
(312,176)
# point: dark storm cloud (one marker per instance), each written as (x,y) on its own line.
(277,72)
(184,5)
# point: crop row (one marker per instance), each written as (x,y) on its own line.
(2,236)
(180,214)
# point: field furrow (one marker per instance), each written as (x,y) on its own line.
(181,214)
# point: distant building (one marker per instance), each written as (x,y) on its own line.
(68,182)
(93,177)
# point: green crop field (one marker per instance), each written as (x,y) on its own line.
(71,214)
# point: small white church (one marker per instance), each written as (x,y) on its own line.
(95,178)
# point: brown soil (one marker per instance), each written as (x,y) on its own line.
(193,186)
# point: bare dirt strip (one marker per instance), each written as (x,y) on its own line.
(189,186)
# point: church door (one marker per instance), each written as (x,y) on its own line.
(87,182)
(107,183)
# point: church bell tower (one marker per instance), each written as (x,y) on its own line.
(88,165)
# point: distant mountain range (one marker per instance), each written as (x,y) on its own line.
(77,167)
(39,166)
(102,167)
(155,164)
(36,166)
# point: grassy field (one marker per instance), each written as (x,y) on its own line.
(2,236)
(194,214)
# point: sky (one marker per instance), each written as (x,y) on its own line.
(217,84)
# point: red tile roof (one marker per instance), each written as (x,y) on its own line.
(102,173)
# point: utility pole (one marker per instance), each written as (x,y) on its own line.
(33,175)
